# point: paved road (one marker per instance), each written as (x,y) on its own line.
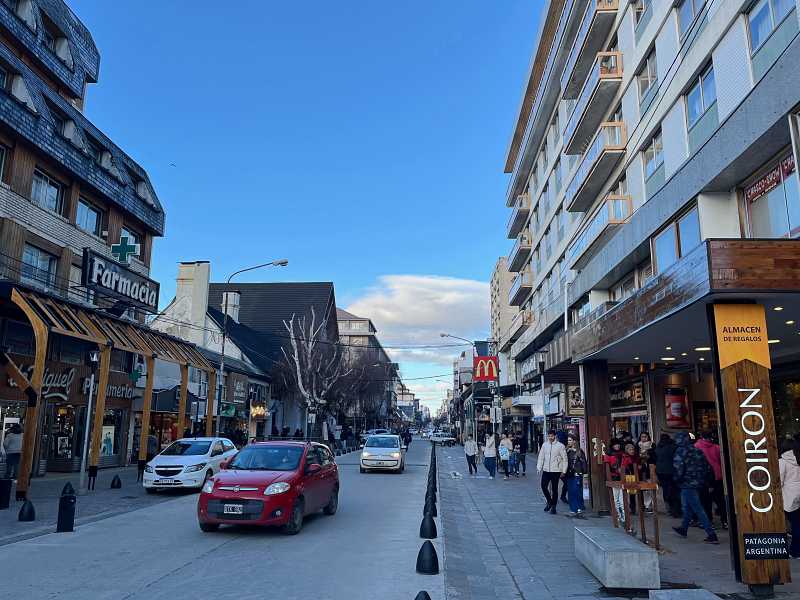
(367,550)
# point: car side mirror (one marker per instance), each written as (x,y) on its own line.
(313,468)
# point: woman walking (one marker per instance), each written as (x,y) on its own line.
(490,455)
(576,467)
(506,446)
(789,466)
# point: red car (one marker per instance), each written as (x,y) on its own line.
(271,483)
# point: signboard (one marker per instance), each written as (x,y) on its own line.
(497,414)
(110,278)
(676,404)
(770,180)
(552,403)
(750,444)
(575,404)
(485,368)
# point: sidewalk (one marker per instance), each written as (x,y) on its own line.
(100,504)
(500,543)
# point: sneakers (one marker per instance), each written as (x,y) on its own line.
(572,514)
(712,539)
(680,531)
(505,477)
(553,510)
(547,508)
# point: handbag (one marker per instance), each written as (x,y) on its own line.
(503,453)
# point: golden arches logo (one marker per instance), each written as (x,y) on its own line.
(484,368)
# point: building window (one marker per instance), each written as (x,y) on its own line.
(687,11)
(49,39)
(701,96)
(133,237)
(38,267)
(773,202)
(19,338)
(59,121)
(639,8)
(11,4)
(653,156)
(47,193)
(3,153)
(625,288)
(676,240)
(648,76)
(88,218)
(94,149)
(557,176)
(764,18)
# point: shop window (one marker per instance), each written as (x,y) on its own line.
(18,338)
(111,435)
(72,351)
(764,18)
(121,361)
(653,155)
(701,96)
(773,202)
(47,193)
(88,218)
(38,267)
(676,240)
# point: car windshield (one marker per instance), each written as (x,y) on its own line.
(383,441)
(187,448)
(267,458)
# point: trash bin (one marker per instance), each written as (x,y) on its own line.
(5,493)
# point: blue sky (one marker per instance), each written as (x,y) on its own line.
(362,140)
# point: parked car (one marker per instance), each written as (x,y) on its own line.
(383,453)
(271,483)
(187,463)
(442,437)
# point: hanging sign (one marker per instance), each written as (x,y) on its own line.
(485,368)
(110,278)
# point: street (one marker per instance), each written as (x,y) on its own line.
(367,550)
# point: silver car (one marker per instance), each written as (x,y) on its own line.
(383,452)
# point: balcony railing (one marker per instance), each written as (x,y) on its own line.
(600,158)
(520,288)
(522,208)
(519,253)
(519,324)
(614,211)
(595,26)
(596,96)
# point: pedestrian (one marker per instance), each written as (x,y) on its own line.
(298,435)
(691,468)
(490,454)
(617,462)
(789,467)
(713,491)
(471,452)
(522,440)
(552,464)
(645,443)
(514,464)
(664,454)
(577,465)
(632,468)
(12,444)
(506,446)
(562,437)
(152,445)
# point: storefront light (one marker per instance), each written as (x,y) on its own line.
(773,341)
(667,358)
(683,353)
(703,349)
(778,309)
(668,348)
(790,322)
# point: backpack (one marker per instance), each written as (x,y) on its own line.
(503,453)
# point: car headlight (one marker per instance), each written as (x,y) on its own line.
(395,455)
(208,486)
(365,454)
(148,469)
(277,488)
(195,468)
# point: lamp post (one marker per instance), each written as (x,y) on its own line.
(275,263)
(94,358)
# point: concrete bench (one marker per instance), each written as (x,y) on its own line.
(682,595)
(616,559)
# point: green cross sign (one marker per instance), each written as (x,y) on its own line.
(137,372)
(124,250)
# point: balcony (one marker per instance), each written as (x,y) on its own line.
(519,324)
(599,160)
(519,253)
(522,208)
(595,27)
(605,79)
(521,288)
(614,211)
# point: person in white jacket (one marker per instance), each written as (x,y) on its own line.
(552,464)
(789,467)
(490,454)
(471,452)
(12,444)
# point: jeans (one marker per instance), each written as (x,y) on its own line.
(504,463)
(619,503)
(513,463)
(715,494)
(472,464)
(671,493)
(550,487)
(12,465)
(490,462)
(575,493)
(521,456)
(690,502)
(794,520)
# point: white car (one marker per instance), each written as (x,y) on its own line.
(384,452)
(187,463)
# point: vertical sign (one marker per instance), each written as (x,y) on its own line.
(485,368)
(759,536)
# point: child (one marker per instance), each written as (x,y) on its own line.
(515,460)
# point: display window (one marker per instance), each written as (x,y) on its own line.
(772,200)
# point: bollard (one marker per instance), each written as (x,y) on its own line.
(66,510)
(427,529)
(430,509)
(423,595)
(427,561)
(5,493)
(27,512)
(116,483)
(431,495)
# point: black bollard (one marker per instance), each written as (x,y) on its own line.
(423,595)
(5,493)
(92,477)
(431,495)
(27,512)
(430,509)
(66,510)
(116,483)
(427,561)
(427,529)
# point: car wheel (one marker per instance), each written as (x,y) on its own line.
(295,523)
(333,503)
(208,527)
(362,469)
(151,490)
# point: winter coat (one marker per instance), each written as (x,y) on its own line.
(470,448)
(690,464)
(619,463)
(552,458)
(665,452)
(712,454)
(490,450)
(790,481)
(12,443)
(576,462)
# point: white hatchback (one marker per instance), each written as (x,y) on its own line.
(187,463)
(383,453)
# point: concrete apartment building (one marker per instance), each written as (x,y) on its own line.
(653,175)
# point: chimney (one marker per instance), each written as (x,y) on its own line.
(191,299)
(230,304)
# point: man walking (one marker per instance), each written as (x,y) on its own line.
(713,491)
(522,440)
(552,464)
(691,469)
(471,452)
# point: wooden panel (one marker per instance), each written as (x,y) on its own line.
(114,225)
(753,265)
(182,399)
(12,241)
(598,422)
(23,165)
(100,408)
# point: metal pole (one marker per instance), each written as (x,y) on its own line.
(541,379)
(222,361)
(84,453)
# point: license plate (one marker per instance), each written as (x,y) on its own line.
(380,463)
(232,509)
(165,481)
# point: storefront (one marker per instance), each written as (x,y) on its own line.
(629,400)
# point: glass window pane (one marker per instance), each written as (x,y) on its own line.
(666,252)
(768,215)
(709,89)
(694,104)
(781,8)
(685,15)
(760,24)
(792,191)
(689,231)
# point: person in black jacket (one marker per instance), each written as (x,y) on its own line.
(664,453)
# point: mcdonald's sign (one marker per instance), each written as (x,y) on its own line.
(485,368)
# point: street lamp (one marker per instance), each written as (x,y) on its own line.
(275,263)
(94,358)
